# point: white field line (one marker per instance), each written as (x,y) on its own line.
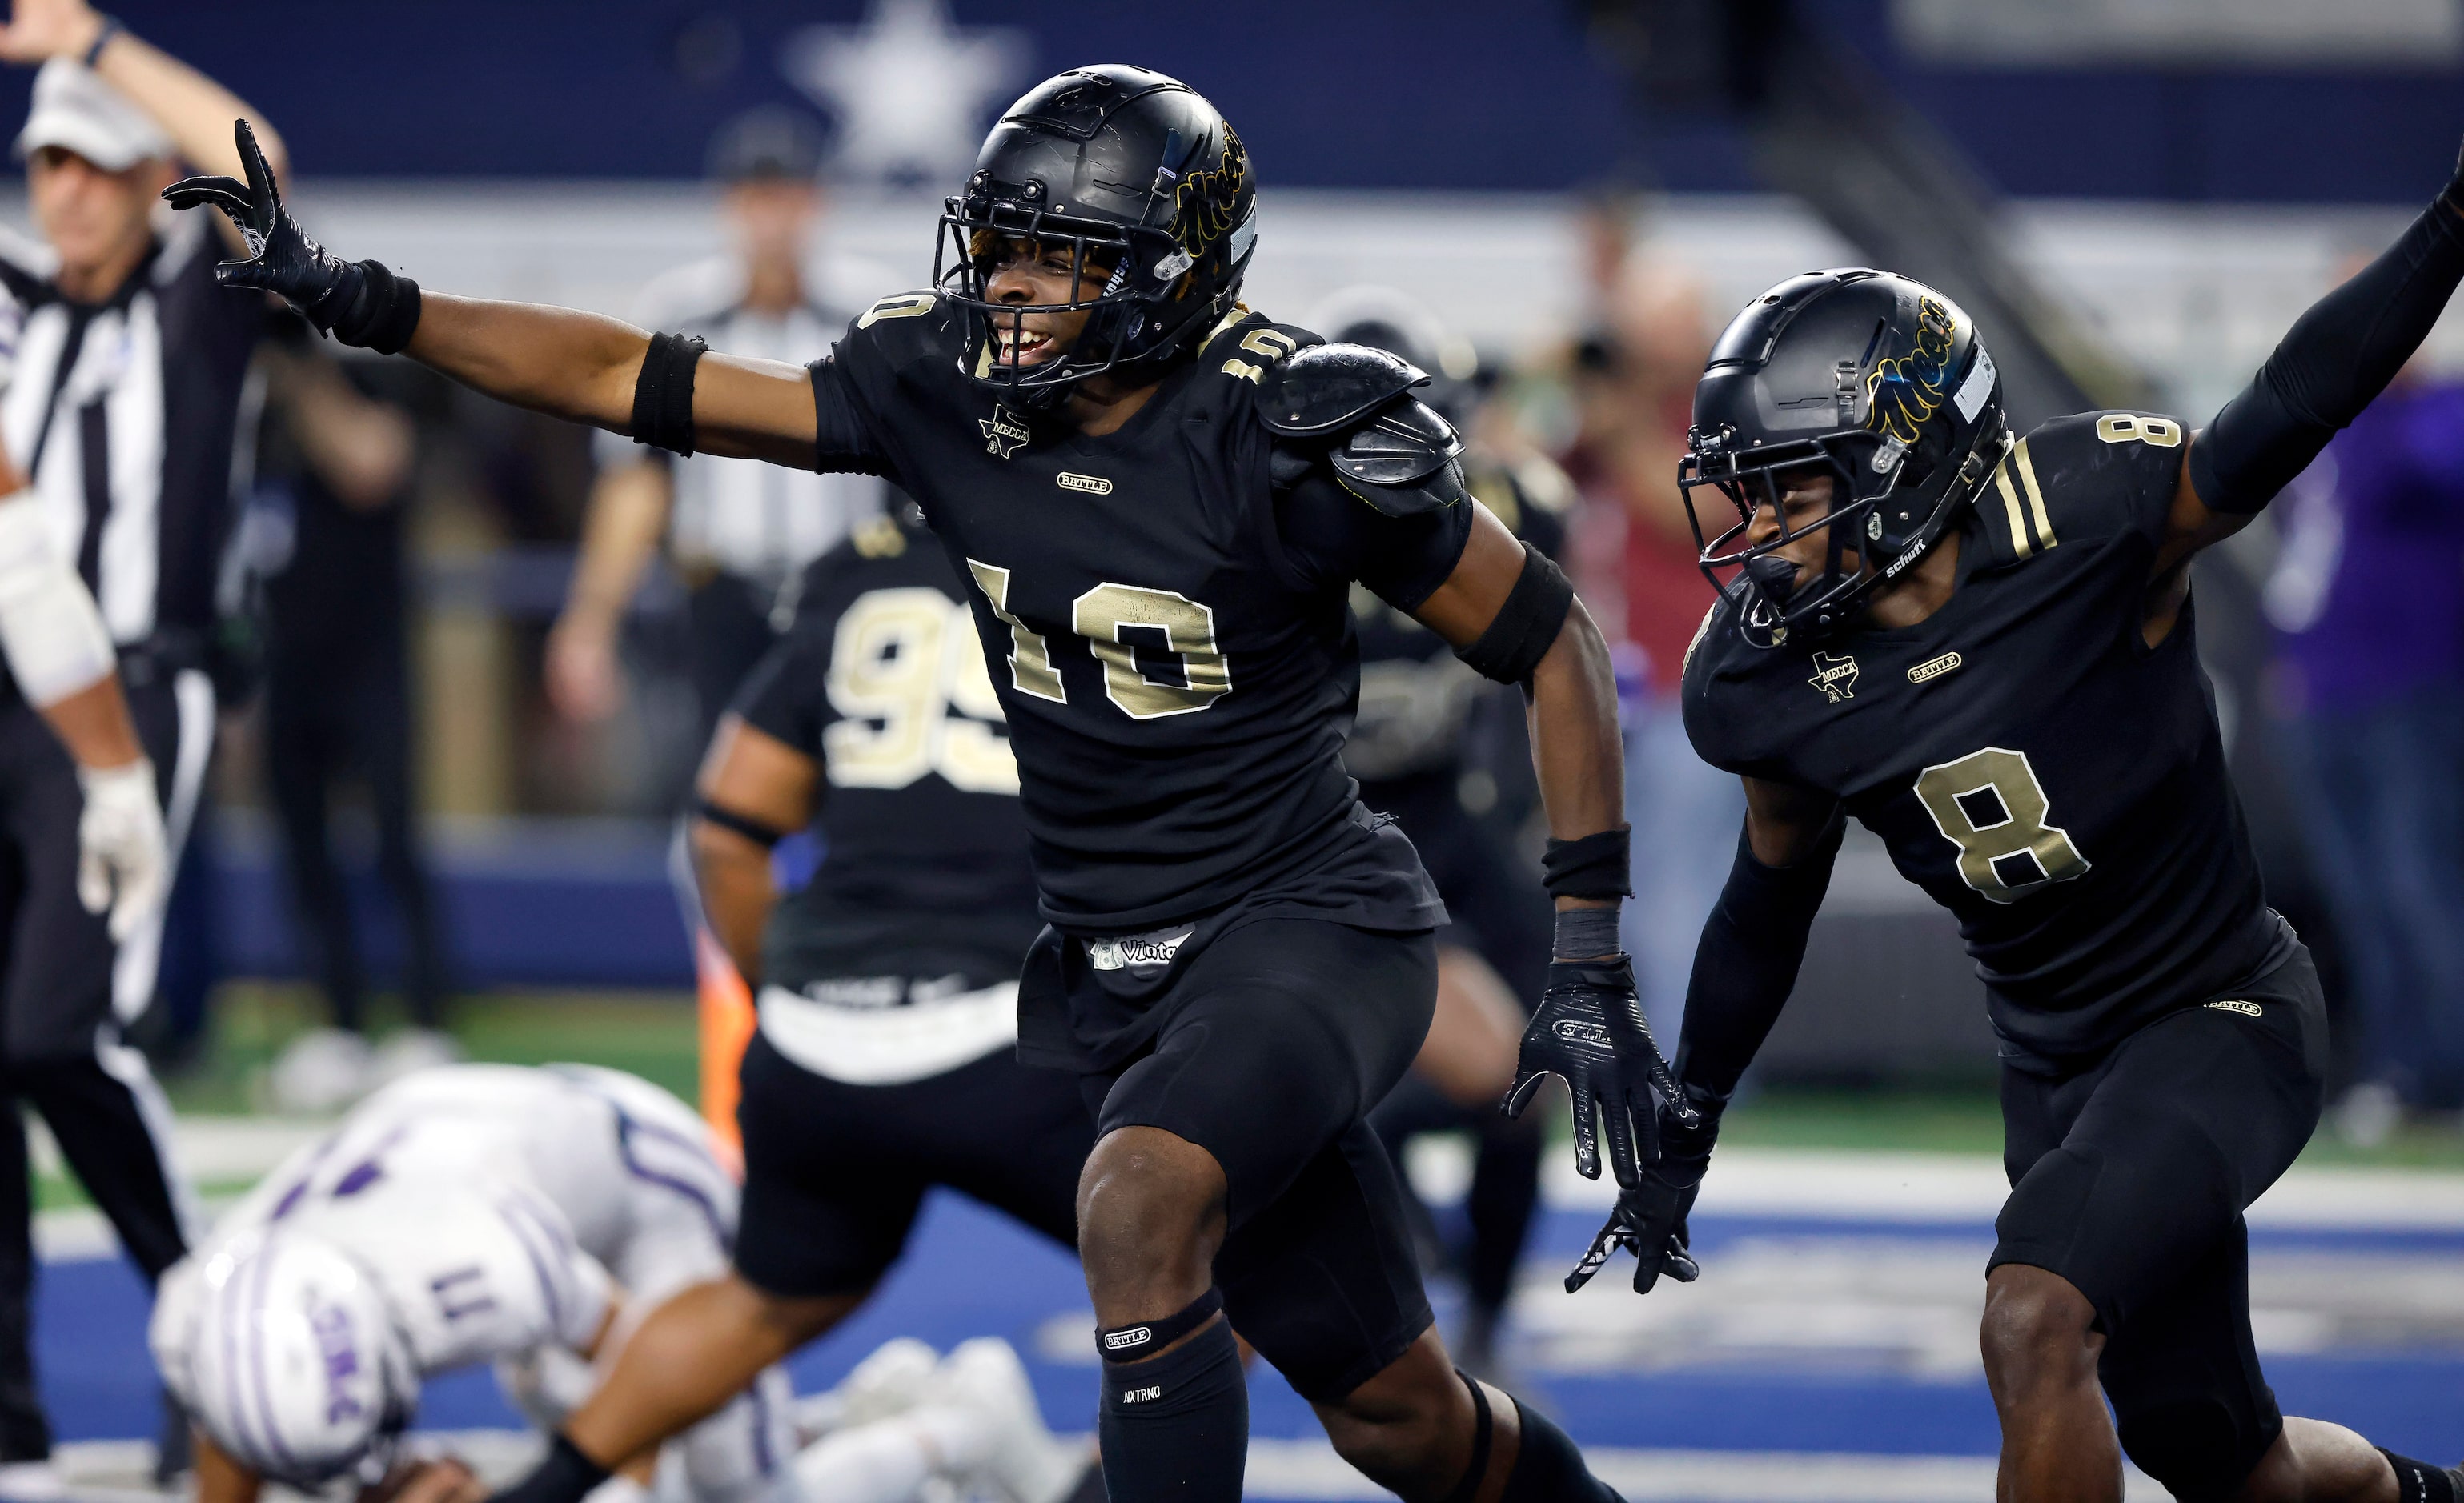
(1943,1187)
(114,1472)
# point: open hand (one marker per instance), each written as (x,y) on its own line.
(1588,1029)
(281,258)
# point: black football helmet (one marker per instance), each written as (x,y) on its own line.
(1880,380)
(1147,184)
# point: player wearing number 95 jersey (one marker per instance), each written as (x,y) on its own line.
(1984,649)
(1159,500)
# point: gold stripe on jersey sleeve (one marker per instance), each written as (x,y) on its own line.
(2045,537)
(2019,548)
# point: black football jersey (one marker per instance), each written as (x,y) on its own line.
(1167,630)
(2028,760)
(924,868)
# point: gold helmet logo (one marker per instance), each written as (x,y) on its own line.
(1207,200)
(1905,391)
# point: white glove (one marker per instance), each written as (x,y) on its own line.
(120,849)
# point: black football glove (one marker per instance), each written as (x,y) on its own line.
(1590,1030)
(357,302)
(1649,1220)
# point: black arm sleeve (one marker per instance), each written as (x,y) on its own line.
(1746,965)
(2333,361)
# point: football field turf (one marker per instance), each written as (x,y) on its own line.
(1828,1351)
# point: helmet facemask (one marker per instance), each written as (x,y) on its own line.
(1153,296)
(1891,502)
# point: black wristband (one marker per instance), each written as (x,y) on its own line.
(1595,866)
(758,831)
(563,1476)
(382,311)
(663,393)
(112,26)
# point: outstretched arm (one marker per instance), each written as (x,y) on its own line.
(2335,357)
(558,361)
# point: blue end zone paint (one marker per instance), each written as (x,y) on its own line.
(969,1271)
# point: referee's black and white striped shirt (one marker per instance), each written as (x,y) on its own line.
(124,414)
(741,516)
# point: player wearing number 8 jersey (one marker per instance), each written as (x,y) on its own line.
(1161,500)
(1984,649)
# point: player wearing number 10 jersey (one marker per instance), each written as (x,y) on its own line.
(1160,501)
(1983,649)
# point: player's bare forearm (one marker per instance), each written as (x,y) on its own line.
(93,725)
(1574,715)
(1574,743)
(756,781)
(736,892)
(556,361)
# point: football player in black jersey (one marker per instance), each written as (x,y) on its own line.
(1161,499)
(1983,649)
(882,1063)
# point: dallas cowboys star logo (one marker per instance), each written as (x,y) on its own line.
(910,92)
(1003,431)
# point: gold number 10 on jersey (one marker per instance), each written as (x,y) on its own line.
(901,662)
(1989,804)
(1103,616)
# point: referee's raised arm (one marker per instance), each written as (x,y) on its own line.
(568,364)
(192,110)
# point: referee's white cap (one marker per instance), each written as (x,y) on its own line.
(77,112)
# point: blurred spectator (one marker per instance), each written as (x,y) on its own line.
(739,530)
(2368,600)
(334,468)
(1632,374)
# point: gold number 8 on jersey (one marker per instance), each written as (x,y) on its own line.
(1989,804)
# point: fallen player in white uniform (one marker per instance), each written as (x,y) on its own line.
(530,1218)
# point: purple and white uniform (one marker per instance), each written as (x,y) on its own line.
(513,1215)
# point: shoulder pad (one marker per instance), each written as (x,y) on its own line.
(1325,387)
(1401,445)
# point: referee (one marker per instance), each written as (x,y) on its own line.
(125,363)
(739,531)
